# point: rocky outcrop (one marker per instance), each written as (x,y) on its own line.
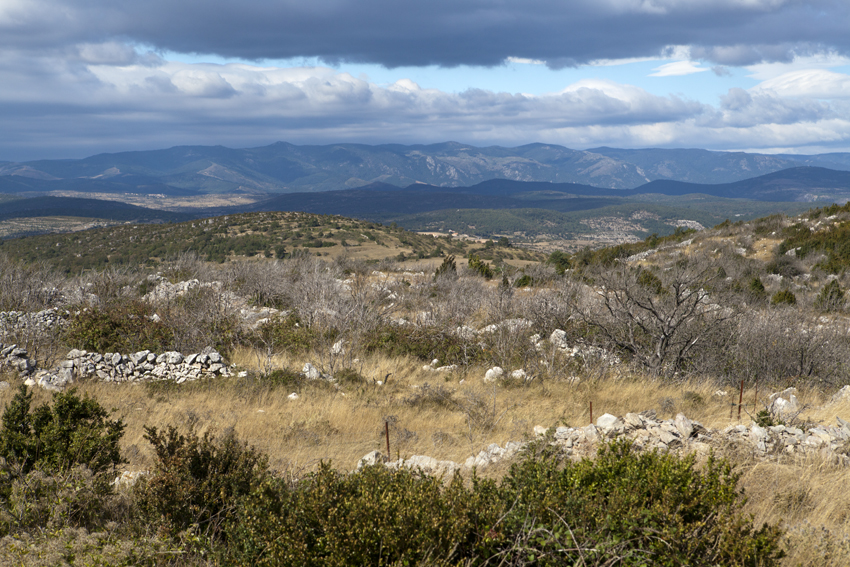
(558,340)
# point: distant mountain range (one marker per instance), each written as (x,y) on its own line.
(806,184)
(285,168)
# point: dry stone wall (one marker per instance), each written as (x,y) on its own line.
(135,367)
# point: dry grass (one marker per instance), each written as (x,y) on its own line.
(809,496)
(446,416)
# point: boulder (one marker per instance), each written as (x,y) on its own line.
(608,421)
(311,372)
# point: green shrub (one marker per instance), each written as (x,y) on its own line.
(57,462)
(374,517)
(560,261)
(447,268)
(423,343)
(282,378)
(621,508)
(628,508)
(196,480)
(651,282)
(72,432)
(119,328)
(783,297)
(50,500)
(524,281)
(831,297)
(480,267)
(756,288)
(284,333)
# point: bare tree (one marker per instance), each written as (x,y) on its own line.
(658,318)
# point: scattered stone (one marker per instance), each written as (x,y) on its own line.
(311,372)
(680,435)
(519,375)
(494,374)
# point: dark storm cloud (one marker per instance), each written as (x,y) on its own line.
(441,32)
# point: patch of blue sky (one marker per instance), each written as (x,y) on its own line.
(533,78)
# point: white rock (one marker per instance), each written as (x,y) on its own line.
(782,406)
(558,338)
(311,372)
(786,393)
(519,374)
(539,430)
(293,396)
(684,426)
(495,373)
(371,459)
(608,421)
(841,394)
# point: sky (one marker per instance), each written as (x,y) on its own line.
(81,77)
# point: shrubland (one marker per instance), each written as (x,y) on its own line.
(239,470)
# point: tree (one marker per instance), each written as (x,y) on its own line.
(660,319)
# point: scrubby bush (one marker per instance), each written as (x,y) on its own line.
(196,481)
(374,517)
(783,297)
(628,508)
(119,327)
(74,431)
(621,508)
(56,462)
(480,267)
(831,297)
(424,343)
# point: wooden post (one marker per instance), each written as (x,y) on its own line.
(591,413)
(756,400)
(740,400)
(387,432)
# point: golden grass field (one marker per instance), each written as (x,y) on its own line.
(809,495)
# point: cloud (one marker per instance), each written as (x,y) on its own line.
(810,83)
(677,68)
(440,32)
(111,100)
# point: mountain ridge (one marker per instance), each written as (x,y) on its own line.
(283,167)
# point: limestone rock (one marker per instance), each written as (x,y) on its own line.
(494,374)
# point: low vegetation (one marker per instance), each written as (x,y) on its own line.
(255,467)
(249,235)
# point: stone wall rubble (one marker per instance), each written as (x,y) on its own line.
(16,359)
(13,323)
(116,367)
(647,432)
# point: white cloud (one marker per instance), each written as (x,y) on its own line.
(810,83)
(826,60)
(109,104)
(677,68)
(524,61)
